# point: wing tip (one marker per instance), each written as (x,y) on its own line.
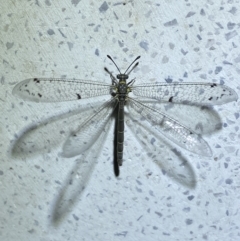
(234,95)
(17,88)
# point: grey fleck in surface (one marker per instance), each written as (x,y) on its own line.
(230,35)
(75,2)
(123,31)
(147,15)
(62,33)
(188,221)
(97,52)
(230,25)
(1,172)
(218,69)
(70,45)
(203,76)
(226,62)
(124,234)
(190,14)
(199,37)
(47,2)
(169,80)
(165,59)
(229,181)
(50,32)
(138,182)
(184,52)
(138,189)
(144,45)
(104,7)
(153,140)
(210,43)
(196,70)
(121,44)
(116,16)
(171,45)
(186,210)
(171,23)
(237,60)
(190,198)
(233,10)
(97,28)
(202,12)
(75,217)
(159,214)
(151,193)
(219,25)
(9,45)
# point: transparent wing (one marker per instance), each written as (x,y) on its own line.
(172,163)
(86,135)
(56,90)
(169,127)
(191,93)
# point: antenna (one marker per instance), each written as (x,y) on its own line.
(132,64)
(128,66)
(114,63)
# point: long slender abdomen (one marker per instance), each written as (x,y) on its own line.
(120,133)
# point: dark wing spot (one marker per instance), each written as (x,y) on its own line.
(210,98)
(36,80)
(39,95)
(213,85)
(78,96)
(170,99)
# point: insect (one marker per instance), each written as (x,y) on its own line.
(57,90)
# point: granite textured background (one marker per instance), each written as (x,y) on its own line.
(44,196)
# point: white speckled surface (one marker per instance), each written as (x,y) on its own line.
(177,41)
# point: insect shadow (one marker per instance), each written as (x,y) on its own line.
(74,185)
(42,137)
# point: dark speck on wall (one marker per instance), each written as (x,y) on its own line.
(169,80)
(218,69)
(171,23)
(75,2)
(144,45)
(50,32)
(229,181)
(189,221)
(104,7)
(97,52)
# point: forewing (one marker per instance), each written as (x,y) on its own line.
(86,135)
(169,127)
(187,93)
(57,90)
